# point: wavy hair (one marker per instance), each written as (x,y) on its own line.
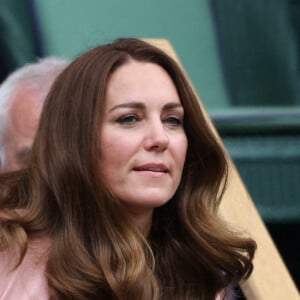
(96,252)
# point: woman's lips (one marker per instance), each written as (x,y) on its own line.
(152,168)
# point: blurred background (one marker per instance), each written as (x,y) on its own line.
(242,56)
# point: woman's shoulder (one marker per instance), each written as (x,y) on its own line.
(28,280)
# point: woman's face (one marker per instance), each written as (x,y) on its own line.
(143,143)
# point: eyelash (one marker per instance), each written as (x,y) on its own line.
(128,119)
(174,121)
(131,119)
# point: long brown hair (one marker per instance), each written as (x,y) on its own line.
(96,252)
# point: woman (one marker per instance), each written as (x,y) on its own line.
(120,198)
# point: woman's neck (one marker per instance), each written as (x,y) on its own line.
(142,220)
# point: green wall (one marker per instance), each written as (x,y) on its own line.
(70,27)
(17,40)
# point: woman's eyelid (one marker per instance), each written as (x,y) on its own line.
(126,117)
(130,117)
(179,115)
(137,115)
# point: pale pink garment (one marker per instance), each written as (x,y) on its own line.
(28,281)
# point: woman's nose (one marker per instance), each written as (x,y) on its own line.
(156,137)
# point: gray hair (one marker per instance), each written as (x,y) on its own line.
(38,75)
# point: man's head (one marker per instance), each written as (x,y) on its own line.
(22,96)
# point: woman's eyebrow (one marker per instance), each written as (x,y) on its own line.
(138,105)
(141,105)
(172,105)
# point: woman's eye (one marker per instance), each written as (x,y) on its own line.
(128,119)
(174,121)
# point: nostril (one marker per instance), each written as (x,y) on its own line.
(157,143)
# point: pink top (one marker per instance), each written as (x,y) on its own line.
(28,281)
